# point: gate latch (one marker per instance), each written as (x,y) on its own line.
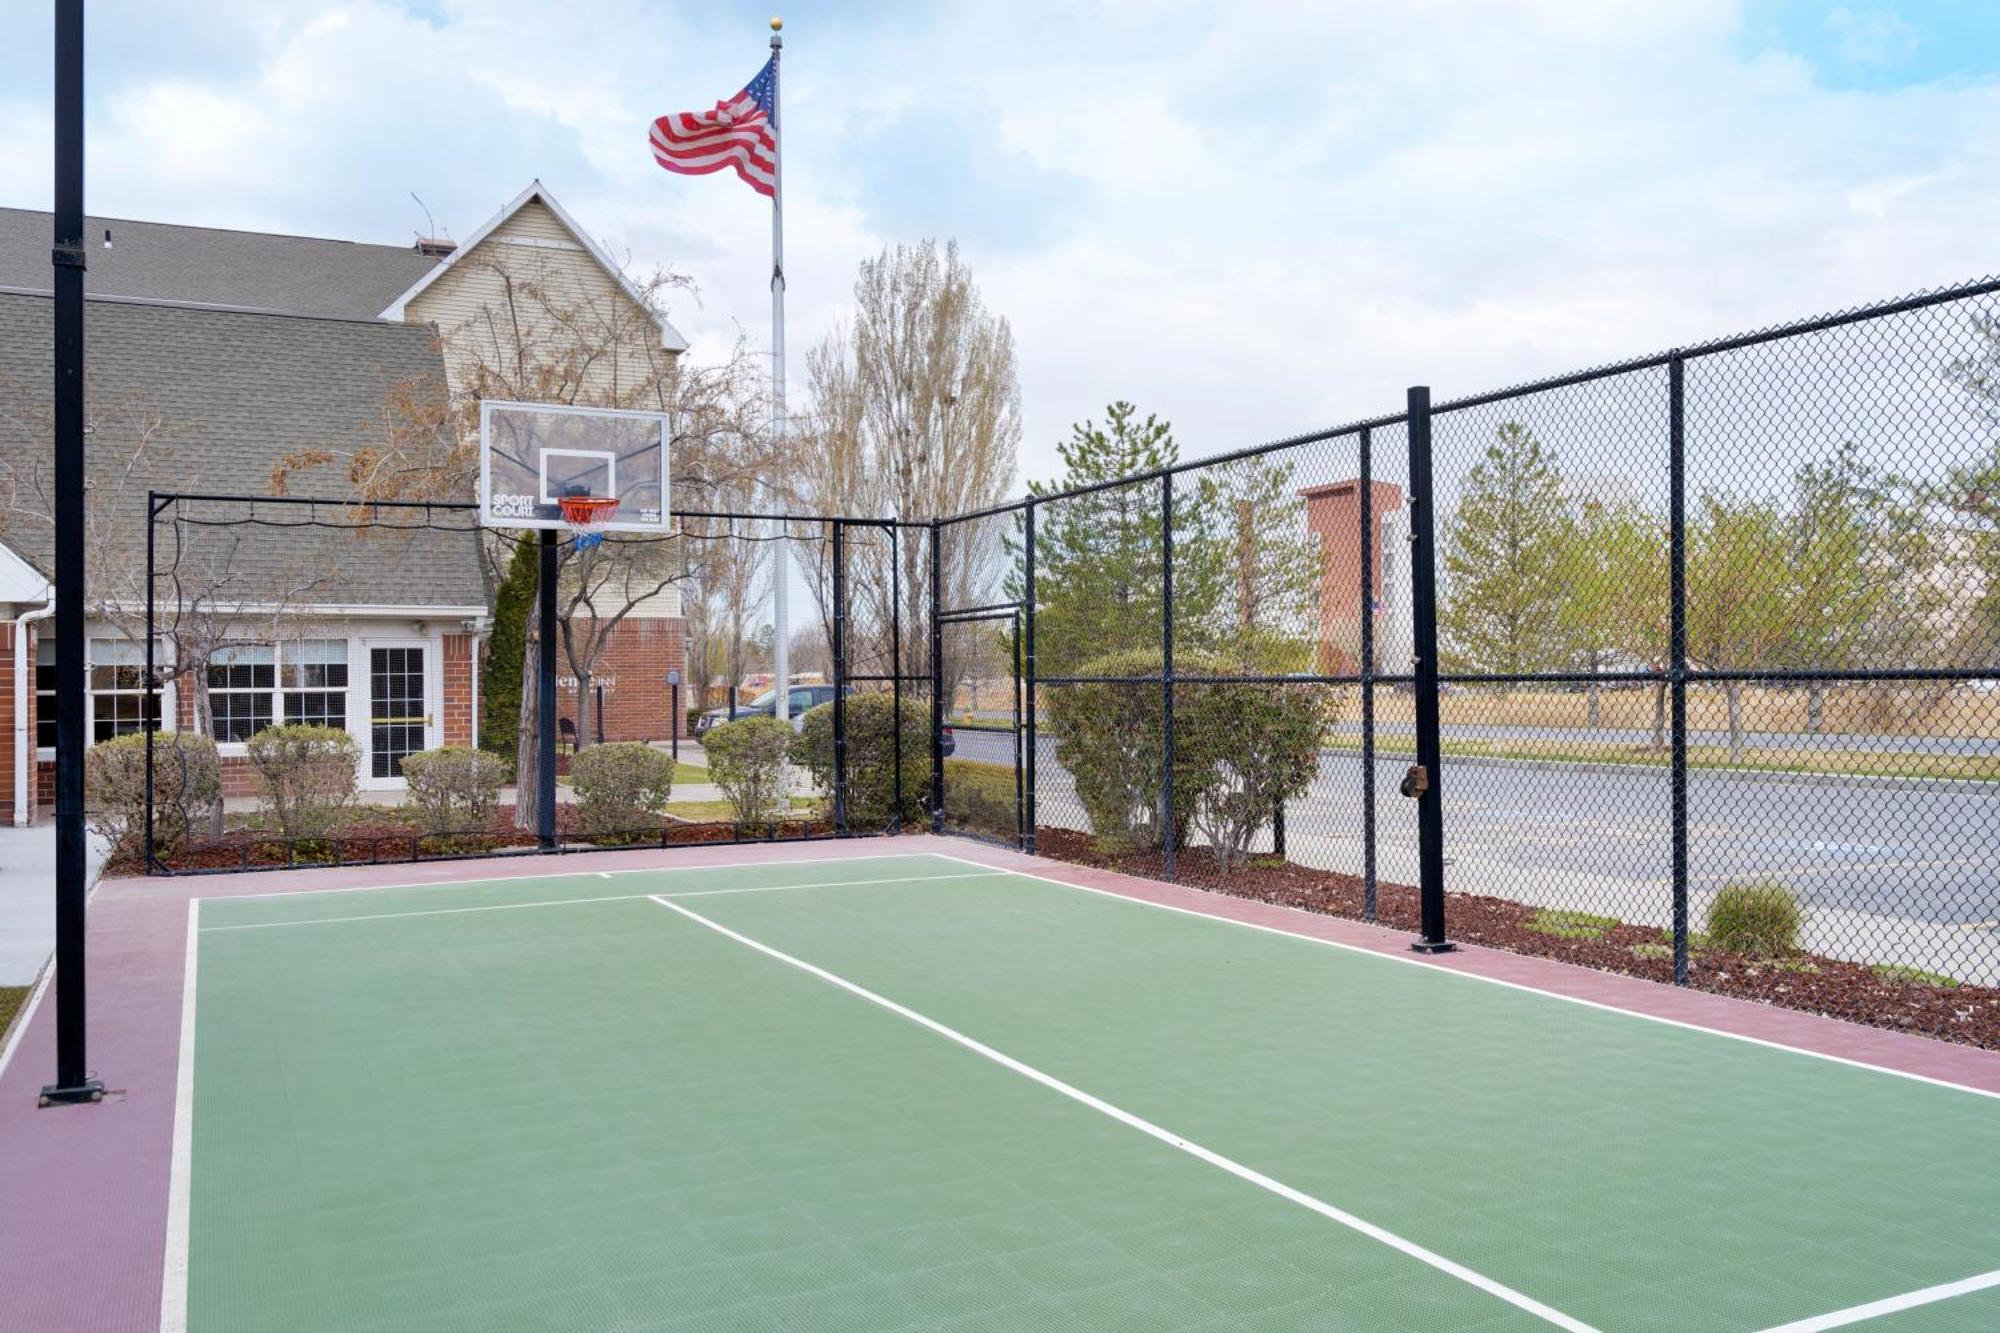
(1416,782)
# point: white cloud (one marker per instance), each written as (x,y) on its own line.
(1284,214)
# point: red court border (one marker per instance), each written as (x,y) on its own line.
(83,1233)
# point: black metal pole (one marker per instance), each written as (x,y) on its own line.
(839,679)
(1677,650)
(1366,667)
(896,678)
(73,1082)
(149,709)
(1423,586)
(1020,791)
(937,679)
(545,696)
(674,694)
(1028,813)
(1167,825)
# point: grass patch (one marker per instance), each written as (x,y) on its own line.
(1842,763)
(1653,952)
(721,812)
(1571,925)
(1896,974)
(11,1000)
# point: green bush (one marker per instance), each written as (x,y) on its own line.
(306,775)
(981,797)
(187,790)
(747,759)
(621,786)
(871,758)
(1757,918)
(1239,750)
(455,789)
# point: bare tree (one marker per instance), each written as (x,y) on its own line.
(916,414)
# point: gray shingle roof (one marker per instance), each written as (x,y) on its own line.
(234,393)
(252,270)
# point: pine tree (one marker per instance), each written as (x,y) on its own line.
(500,704)
(1503,566)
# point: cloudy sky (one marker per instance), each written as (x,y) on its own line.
(1251,218)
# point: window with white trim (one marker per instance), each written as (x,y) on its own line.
(242,682)
(314,675)
(118,690)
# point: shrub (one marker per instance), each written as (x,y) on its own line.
(1240,750)
(982,797)
(871,758)
(1757,918)
(307,775)
(187,790)
(456,789)
(746,758)
(621,786)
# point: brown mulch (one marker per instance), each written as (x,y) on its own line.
(1965,1013)
(367,843)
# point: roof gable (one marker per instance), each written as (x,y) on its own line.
(670,337)
(20,581)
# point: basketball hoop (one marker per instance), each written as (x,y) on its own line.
(586,516)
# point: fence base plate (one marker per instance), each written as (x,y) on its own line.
(90,1090)
(1432,946)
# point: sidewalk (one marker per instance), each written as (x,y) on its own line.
(28,898)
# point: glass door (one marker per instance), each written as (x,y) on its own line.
(399,718)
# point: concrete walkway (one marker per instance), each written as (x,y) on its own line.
(28,898)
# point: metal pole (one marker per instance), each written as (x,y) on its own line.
(896,677)
(781,564)
(674,692)
(1677,650)
(937,680)
(1028,813)
(1367,669)
(150,707)
(73,1082)
(545,696)
(839,679)
(1424,779)
(1020,793)
(1167,825)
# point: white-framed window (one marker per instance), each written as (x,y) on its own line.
(45,693)
(242,687)
(259,685)
(117,690)
(313,673)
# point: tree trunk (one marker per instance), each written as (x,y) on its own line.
(527,768)
(1733,691)
(1594,706)
(1815,708)
(586,710)
(1660,715)
(202,709)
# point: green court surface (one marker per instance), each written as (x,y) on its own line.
(913,1092)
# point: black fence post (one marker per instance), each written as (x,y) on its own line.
(1425,785)
(679,719)
(1168,830)
(937,677)
(545,697)
(73,1082)
(1367,670)
(896,676)
(839,679)
(1028,641)
(1677,649)
(149,707)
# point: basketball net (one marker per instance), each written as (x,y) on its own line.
(586,517)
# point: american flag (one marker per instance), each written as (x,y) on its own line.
(741,132)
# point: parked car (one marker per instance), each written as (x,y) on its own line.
(804,698)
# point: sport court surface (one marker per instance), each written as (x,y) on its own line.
(916,1091)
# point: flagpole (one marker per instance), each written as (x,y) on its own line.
(781,566)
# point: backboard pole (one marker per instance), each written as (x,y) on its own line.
(73,1082)
(545,698)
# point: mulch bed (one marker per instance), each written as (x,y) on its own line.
(1965,1013)
(384,841)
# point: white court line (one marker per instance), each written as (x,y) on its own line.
(571,874)
(608,898)
(1909,1300)
(1435,970)
(174,1277)
(1147,1127)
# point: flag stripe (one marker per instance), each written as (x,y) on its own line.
(740,134)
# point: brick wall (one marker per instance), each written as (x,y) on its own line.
(11,661)
(457,720)
(633,670)
(1333,514)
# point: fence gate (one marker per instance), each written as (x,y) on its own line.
(982,792)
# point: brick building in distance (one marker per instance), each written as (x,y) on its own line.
(1333,515)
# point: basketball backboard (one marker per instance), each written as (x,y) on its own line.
(531,455)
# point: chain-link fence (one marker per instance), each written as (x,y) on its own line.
(1717,655)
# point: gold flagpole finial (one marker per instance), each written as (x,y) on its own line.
(777,25)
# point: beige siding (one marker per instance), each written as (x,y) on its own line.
(470,306)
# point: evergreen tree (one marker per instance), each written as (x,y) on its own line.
(1503,564)
(500,703)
